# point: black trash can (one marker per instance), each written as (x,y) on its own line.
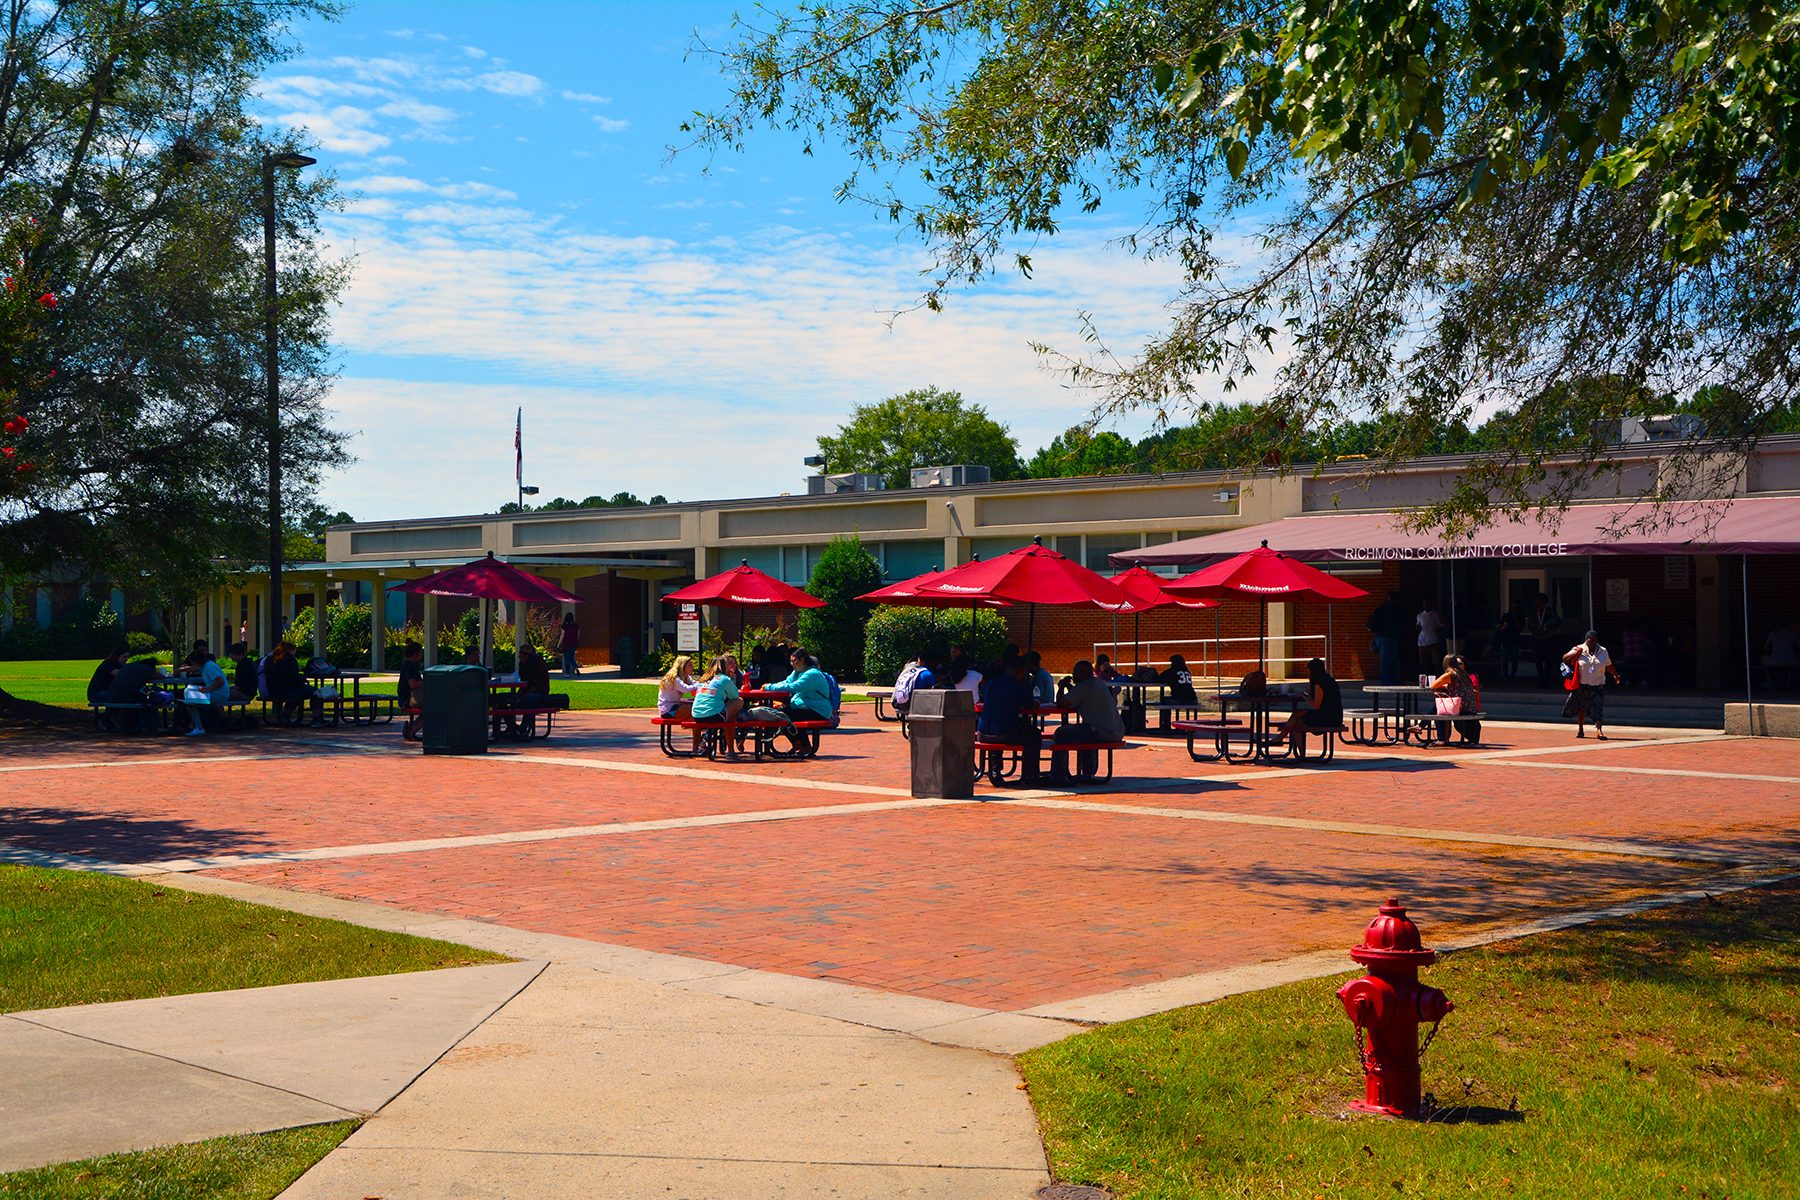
(941,729)
(455,705)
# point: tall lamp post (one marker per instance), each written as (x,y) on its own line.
(293,162)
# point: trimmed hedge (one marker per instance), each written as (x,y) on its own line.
(894,635)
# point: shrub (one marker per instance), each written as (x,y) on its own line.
(140,643)
(834,634)
(894,635)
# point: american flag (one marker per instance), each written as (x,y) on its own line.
(519,448)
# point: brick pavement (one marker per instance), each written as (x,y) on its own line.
(999,905)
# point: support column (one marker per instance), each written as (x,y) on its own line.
(486,609)
(378,625)
(321,618)
(1280,627)
(430,606)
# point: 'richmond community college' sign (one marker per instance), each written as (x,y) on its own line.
(1499,550)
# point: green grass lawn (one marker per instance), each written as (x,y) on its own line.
(68,937)
(1656,1056)
(253,1166)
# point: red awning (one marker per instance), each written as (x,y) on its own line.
(1768,525)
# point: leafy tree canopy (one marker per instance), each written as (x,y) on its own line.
(619,500)
(920,428)
(1449,207)
(133,164)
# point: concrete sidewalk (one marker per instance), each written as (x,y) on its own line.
(591,1084)
(103,1078)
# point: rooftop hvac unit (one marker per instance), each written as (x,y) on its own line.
(957,475)
(827,485)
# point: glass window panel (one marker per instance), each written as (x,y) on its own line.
(1068,544)
(993,547)
(794,568)
(1101,545)
(907,559)
(763,558)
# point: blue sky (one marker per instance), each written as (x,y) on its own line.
(521,239)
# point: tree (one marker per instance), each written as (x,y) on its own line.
(1460,208)
(132,157)
(834,634)
(1081,451)
(920,428)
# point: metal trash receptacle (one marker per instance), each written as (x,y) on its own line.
(941,726)
(455,709)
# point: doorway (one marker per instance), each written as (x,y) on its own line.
(1521,588)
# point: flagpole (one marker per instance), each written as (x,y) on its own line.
(519,455)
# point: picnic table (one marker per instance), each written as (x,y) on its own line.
(1406,704)
(336,678)
(721,737)
(1257,709)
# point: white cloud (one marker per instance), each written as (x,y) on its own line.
(474,52)
(612,126)
(344,129)
(408,109)
(586,98)
(501,83)
(758,342)
(392,183)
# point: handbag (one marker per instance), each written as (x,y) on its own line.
(328,693)
(1449,706)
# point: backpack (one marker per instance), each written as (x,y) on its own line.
(837,699)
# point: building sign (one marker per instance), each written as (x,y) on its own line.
(1618,595)
(687,630)
(1497,550)
(1675,572)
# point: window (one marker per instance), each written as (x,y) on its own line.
(903,560)
(1101,545)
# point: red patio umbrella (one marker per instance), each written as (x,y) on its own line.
(1265,574)
(744,586)
(1031,575)
(1146,591)
(491,579)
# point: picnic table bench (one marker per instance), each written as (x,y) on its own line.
(1000,760)
(1224,730)
(1418,725)
(719,737)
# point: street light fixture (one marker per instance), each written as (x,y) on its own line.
(287,160)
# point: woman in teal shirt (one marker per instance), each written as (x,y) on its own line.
(810,689)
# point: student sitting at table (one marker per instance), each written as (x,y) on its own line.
(1104,670)
(410,691)
(127,687)
(674,687)
(1456,681)
(243,672)
(716,701)
(962,677)
(733,669)
(913,676)
(214,685)
(287,688)
(1003,721)
(1178,688)
(534,675)
(1043,688)
(1096,720)
(1323,707)
(809,692)
(109,666)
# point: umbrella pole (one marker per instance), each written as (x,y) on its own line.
(1218,653)
(1262,641)
(1031,628)
(1137,641)
(1328,637)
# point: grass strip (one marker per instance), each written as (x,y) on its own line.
(70,937)
(251,1166)
(1651,1056)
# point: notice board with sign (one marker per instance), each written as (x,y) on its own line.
(687,629)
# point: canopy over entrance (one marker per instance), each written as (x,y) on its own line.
(1769,525)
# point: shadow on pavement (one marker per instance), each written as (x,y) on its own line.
(119,837)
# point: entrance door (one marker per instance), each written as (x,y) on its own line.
(1522,588)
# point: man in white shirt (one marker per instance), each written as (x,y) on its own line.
(1431,636)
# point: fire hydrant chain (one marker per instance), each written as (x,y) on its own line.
(1431,1033)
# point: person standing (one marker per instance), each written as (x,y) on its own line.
(1096,720)
(1431,635)
(1543,624)
(568,643)
(1388,625)
(1781,654)
(1506,642)
(1591,664)
(1635,642)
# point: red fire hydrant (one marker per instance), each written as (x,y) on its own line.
(1390,1003)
